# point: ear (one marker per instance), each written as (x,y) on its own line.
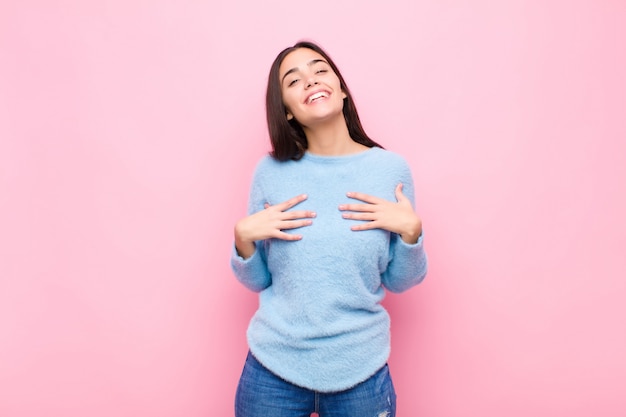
(289,116)
(343,94)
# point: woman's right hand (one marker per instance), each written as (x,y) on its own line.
(270,223)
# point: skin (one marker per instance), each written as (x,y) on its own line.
(304,72)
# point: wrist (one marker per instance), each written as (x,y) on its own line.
(245,248)
(412,234)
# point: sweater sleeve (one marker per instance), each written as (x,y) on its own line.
(408,264)
(253,272)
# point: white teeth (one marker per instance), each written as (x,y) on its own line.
(316,96)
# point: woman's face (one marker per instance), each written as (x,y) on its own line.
(311,90)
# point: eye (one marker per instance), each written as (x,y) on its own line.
(321,71)
(292,82)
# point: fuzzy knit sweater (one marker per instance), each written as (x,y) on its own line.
(320,324)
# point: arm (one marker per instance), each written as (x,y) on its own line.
(248,258)
(407,259)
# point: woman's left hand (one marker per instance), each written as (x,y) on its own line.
(379,213)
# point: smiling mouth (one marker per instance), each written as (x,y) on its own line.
(317,96)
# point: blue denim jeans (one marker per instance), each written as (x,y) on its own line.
(260,393)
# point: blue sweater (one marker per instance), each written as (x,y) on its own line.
(320,324)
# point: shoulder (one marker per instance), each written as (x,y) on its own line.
(267,164)
(269,168)
(389,160)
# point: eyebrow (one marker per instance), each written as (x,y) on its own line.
(310,63)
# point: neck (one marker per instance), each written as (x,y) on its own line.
(331,139)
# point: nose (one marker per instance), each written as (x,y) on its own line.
(311,82)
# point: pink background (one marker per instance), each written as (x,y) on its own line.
(128,134)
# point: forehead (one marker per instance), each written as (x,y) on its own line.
(299,58)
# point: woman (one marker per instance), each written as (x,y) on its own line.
(330,226)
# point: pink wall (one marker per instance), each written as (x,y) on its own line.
(128,133)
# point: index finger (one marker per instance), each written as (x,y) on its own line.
(285,205)
(365,197)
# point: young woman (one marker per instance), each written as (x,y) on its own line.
(330,226)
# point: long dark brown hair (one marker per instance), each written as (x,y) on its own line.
(287,136)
